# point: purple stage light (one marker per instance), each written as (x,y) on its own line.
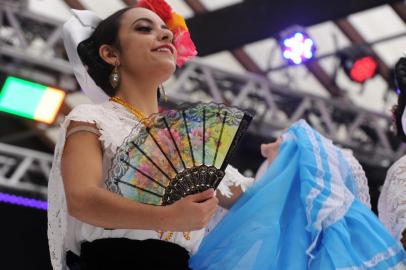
(17,200)
(296,45)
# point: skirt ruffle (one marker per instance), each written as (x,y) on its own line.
(300,215)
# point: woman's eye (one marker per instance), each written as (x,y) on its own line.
(144,29)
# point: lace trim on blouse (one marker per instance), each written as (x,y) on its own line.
(392,200)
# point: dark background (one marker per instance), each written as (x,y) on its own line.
(24,239)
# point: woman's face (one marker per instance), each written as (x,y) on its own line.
(146,45)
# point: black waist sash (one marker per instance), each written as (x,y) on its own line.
(123,253)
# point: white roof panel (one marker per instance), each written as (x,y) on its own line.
(181,7)
(224,60)
(328,37)
(391,51)
(372,96)
(56,9)
(301,79)
(298,78)
(217,4)
(266,53)
(373,88)
(377,23)
(103,8)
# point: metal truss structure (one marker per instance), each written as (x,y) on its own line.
(276,107)
(31,46)
(24,170)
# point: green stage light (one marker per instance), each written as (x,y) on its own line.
(30,100)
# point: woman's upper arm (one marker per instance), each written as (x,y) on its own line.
(81,164)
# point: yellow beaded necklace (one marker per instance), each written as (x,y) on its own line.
(129,107)
(139,115)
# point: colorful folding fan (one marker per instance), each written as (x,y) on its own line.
(178,153)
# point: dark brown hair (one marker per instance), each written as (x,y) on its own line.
(397,113)
(105,33)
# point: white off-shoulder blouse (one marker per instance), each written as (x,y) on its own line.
(392,200)
(114,122)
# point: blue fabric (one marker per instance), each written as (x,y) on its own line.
(301,215)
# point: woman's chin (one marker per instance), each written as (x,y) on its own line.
(161,69)
(167,68)
(170,63)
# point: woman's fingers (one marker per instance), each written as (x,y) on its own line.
(202,196)
(192,212)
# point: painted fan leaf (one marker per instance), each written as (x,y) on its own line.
(177,153)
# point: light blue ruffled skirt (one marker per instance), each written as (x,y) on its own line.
(301,215)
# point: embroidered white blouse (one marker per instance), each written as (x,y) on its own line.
(392,201)
(114,123)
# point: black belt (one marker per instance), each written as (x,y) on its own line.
(123,253)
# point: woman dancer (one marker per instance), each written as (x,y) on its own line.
(308,202)
(127,56)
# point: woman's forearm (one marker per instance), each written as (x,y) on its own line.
(102,208)
(99,207)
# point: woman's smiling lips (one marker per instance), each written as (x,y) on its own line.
(164,48)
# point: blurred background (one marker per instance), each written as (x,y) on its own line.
(328,62)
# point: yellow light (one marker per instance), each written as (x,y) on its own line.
(49,105)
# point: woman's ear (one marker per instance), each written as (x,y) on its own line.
(109,54)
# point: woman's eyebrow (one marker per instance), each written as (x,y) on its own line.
(149,21)
(142,19)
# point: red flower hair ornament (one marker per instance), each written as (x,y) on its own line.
(182,41)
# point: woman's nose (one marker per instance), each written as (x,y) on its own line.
(166,35)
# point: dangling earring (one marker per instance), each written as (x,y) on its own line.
(114,77)
(163,93)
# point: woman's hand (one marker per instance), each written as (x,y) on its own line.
(271,150)
(192,212)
